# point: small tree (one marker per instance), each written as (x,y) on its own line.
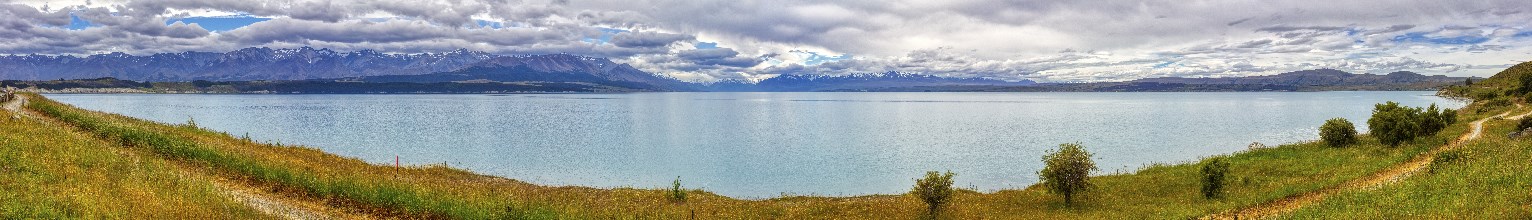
(1450,116)
(935,189)
(1431,121)
(1338,132)
(1068,171)
(1393,124)
(676,193)
(1468,82)
(1214,175)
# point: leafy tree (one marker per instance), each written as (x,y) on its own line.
(1468,81)
(1338,132)
(1431,121)
(1068,171)
(935,190)
(1393,124)
(1214,175)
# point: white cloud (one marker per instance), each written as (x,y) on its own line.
(1004,39)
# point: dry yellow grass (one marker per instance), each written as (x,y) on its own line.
(51,171)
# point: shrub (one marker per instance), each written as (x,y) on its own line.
(1523,124)
(676,193)
(1393,124)
(1338,132)
(1497,102)
(191,122)
(935,189)
(1431,121)
(1068,171)
(1444,158)
(1485,95)
(1526,84)
(1450,116)
(1214,174)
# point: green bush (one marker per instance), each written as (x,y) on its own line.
(935,189)
(1393,124)
(1338,132)
(676,193)
(1497,102)
(1450,116)
(1444,158)
(1214,175)
(1485,95)
(1526,84)
(1523,124)
(1068,171)
(1431,121)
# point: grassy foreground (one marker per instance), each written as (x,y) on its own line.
(49,171)
(1489,178)
(1161,191)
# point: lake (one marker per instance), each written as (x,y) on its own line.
(762,145)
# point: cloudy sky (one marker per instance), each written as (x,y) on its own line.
(1051,41)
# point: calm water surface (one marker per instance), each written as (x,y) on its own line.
(761,145)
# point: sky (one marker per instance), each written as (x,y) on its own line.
(704,41)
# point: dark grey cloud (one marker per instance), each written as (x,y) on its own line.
(648,39)
(718,56)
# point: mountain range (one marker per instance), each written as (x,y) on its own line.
(310,70)
(1317,77)
(462,66)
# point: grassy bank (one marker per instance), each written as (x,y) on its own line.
(1484,179)
(1487,180)
(1164,191)
(56,172)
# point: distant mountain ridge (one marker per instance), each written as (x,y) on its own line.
(461,66)
(545,68)
(256,63)
(1316,77)
(464,71)
(857,82)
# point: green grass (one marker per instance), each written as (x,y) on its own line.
(53,172)
(1491,181)
(1163,191)
(391,197)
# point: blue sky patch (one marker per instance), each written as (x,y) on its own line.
(218,24)
(1165,64)
(606,36)
(706,45)
(1420,37)
(816,58)
(489,24)
(76,23)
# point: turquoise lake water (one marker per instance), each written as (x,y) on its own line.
(762,145)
